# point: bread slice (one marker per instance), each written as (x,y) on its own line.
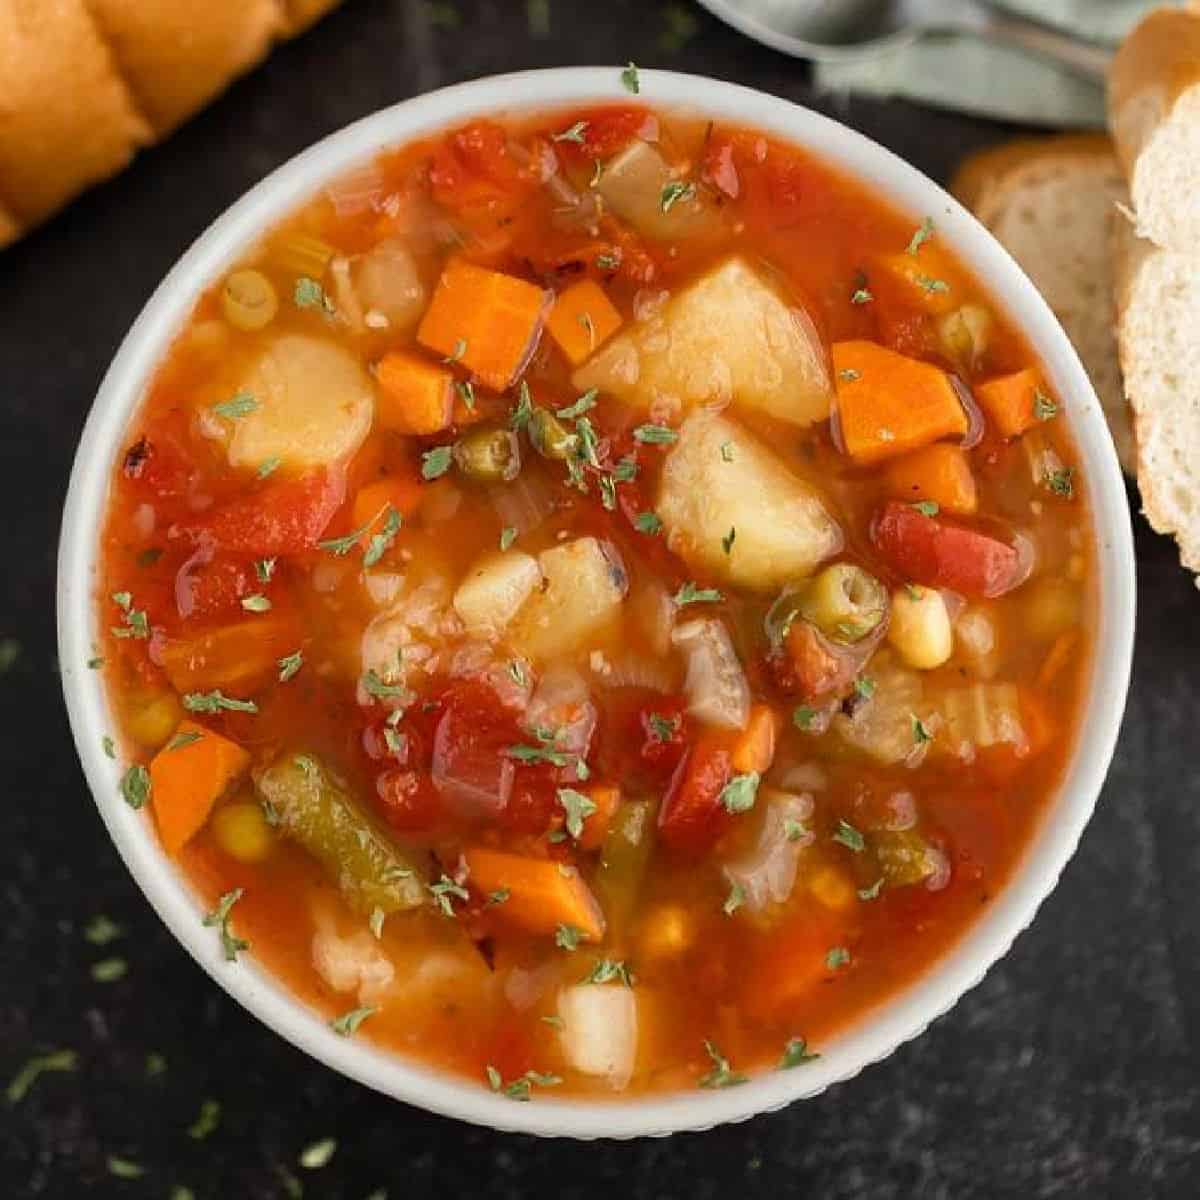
(1158,315)
(1154,116)
(1048,201)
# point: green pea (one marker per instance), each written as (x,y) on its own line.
(489,455)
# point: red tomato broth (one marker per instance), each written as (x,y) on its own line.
(748,982)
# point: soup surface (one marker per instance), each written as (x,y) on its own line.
(596,602)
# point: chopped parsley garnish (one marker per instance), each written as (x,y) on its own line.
(803,717)
(443,890)
(734,901)
(508,535)
(109,970)
(691,594)
(864,686)
(305,764)
(625,471)
(268,466)
(289,665)
(629,77)
(872,892)
(93,664)
(256,604)
(375,686)
(739,794)
(317,1155)
(135,786)
(455,355)
(839,956)
(931,286)
(310,294)
(922,235)
(728,540)
(435,463)
(136,625)
(347,1024)
(555,1022)
(588,441)
(1043,407)
(927,508)
(721,1075)
(230,943)
(537,754)
(466,389)
(727,452)
(608,969)
(578,808)
(861,296)
(206,1121)
(568,937)
(184,738)
(663,729)
(608,492)
(648,522)
(31,1072)
(264,568)
(846,835)
(516,672)
(849,375)
(574,134)
(236,407)
(100,930)
(585,320)
(375,922)
(341,546)
(108,746)
(1061,482)
(216,701)
(920,731)
(655,435)
(396,743)
(520,1088)
(380,541)
(572,411)
(499,896)
(794,830)
(519,417)
(607,261)
(795,1053)
(673,192)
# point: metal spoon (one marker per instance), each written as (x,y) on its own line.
(837,30)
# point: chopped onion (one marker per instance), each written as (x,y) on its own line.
(383,587)
(901,808)
(525,503)
(939,869)
(805,777)
(976,426)
(351,964)
(716,688)
(629,668)
(357,192)
(768,873)
(348,306)
(648,304)
(185,599)
(600,1027)
(561,703)
(477,660)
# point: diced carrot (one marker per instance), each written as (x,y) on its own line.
(924,281)
(941,473)
(582,320)
(238,657)
(1058,657)
(606,798)
(888,404)
(415,396)
(754,749)
(1037,722)
(487,321)
(187,777)
(401,492)
(542,895)
(1010,401)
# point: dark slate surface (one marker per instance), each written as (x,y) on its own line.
(1072,1071)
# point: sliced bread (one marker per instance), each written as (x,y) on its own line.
(1049,201)
(1158,314)
(1154,116)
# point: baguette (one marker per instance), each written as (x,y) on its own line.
(1048,201)
(1158,307)
(1154,116)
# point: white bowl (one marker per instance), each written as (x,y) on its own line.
(881,1031)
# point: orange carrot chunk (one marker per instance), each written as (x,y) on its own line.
(923,281)
(582,320)
(187,777)
(1013,403)
(415,396)
(238,658)
(606,798)
(889,404)
(401,492)
(485,320)
(941,473)
(542,895)
(755,748)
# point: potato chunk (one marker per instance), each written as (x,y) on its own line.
(582,592)
(638,185)
(717,478)
(313,405)
(728,337)
(494,589)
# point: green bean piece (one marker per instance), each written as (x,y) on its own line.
(623,861)
(489,455)
(549,435)
(314,809)
(845,603)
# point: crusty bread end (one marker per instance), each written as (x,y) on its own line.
(1158,314)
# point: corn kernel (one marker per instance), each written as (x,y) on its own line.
(920,628)
(667,931)
(242,832)
(152,716)
(831,887)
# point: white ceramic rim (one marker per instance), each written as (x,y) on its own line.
(880,1032)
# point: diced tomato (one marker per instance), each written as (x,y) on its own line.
(473,174)
(156,464)
(932,551)
(534,801)
(664,732)
(408,800)
(692,816)
(604,131)
(285,517)
(210,588)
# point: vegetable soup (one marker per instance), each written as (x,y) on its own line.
(596,602)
